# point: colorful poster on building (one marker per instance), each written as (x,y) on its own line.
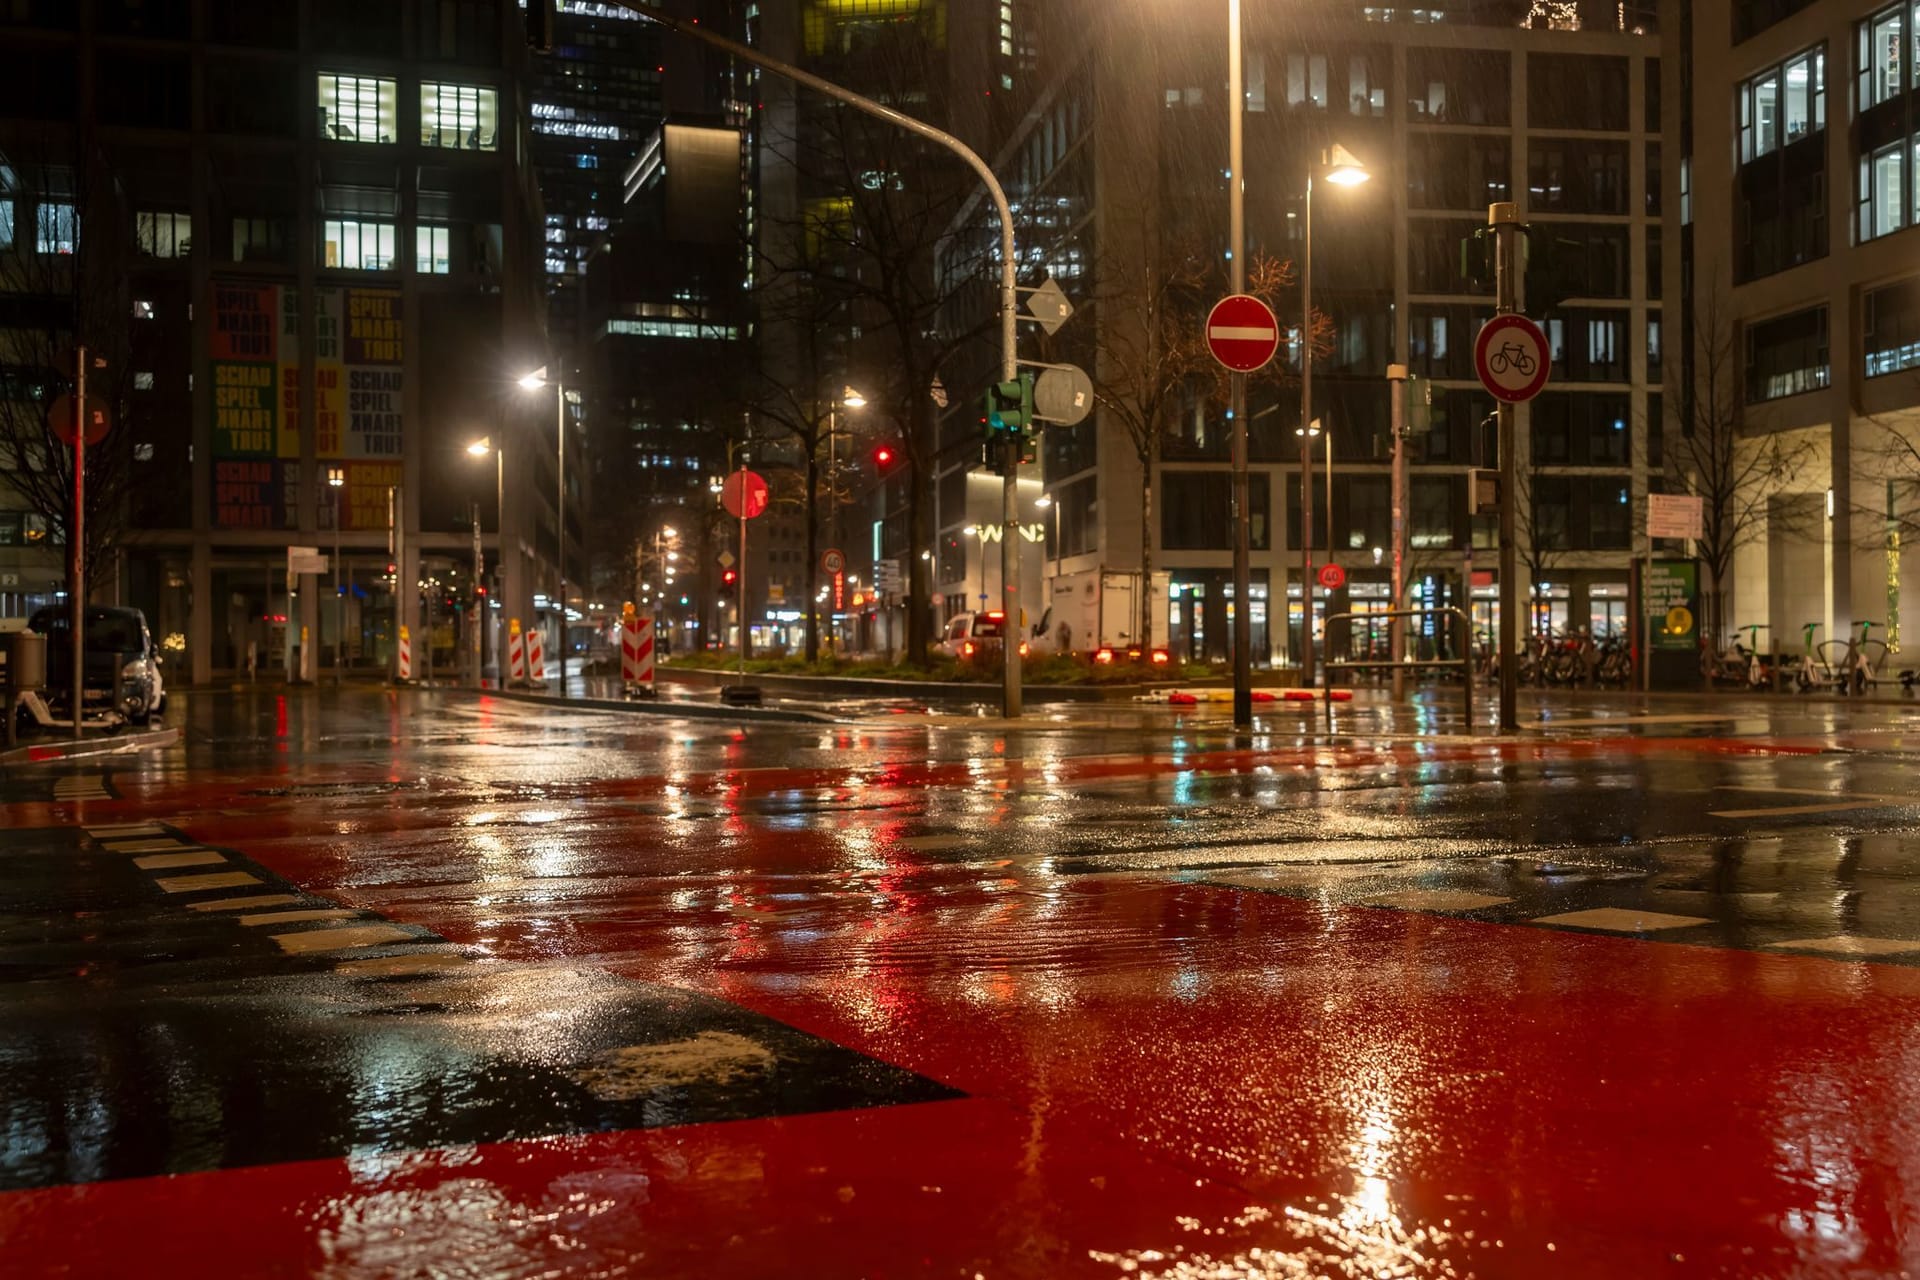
(365,501)
(255,357)
(329,375)
(246,494)
(373,356)
(288,363)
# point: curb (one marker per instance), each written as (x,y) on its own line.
(48,753)
(954,690)
(671,710)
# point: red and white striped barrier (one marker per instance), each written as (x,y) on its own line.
(516,654)
(636,655)
(536,657)
(405,665)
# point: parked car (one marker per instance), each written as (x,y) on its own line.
(111,635)
(976,637)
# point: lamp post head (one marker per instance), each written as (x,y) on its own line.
(852,399)
(669,532)
(1343,168)
(968,532)
(535,380)
(336,476)
(481,448)
(1043,501)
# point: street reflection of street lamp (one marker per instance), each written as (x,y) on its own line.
(851,399)
(974,531)
(480,449)
(337,480)
(1343,169)
(1046,503)
(533,382)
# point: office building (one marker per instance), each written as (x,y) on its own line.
(307,235)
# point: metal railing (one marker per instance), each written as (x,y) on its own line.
(1464,662)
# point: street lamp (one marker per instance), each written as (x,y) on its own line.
(976,531)
(1343,169)
(1315,430)
(850,399)
(337,480)
(480,449)
(533,382)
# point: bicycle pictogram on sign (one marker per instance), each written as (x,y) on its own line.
(1511,357)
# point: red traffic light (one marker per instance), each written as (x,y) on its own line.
(884,456)
(729,577)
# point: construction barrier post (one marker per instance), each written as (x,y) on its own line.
(536,657)
(406,654)
(516,655)
(636,654)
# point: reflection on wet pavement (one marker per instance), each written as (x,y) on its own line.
(1117,994)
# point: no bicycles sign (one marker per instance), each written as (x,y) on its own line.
(1510,355)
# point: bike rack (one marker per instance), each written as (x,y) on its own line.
(1465,662)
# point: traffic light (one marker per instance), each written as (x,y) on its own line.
(729,583)
(540,25)
(1556,269)
(884,458)
(1010,404)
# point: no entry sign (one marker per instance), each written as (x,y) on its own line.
(744,495)
(1510,355)
(1242,333)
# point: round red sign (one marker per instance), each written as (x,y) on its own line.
(1511,357)
(744,495)
(1242,333)
(1332,577)
(60,421)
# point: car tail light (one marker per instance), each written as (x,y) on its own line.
(966,649)
(1023,648)
(994,615)
(1161,657)
(1103,655)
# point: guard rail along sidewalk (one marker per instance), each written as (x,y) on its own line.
(1464,662)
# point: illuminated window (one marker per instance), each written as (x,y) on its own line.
(56,227)
(462,116)
(357,108)
(6,224)
(163,235)
(431,250)
(142,380)
(355,245)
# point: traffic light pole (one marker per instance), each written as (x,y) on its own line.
(1237,398)
(1009,335)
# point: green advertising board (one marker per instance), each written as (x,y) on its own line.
(1672,596)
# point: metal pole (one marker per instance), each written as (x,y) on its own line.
(1505,219)
(1397,628)
(1009,327)
(393,550)
(1237,383)
(479,601)
(740,598)
(500,558)
(339,593)
(560,516)
(76,539)
(1306,443)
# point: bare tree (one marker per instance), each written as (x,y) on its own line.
(69,291)
(880,245)
(1718,456)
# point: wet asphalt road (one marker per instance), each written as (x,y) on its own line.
(367,984)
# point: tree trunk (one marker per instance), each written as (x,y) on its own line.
(1145,636)
(813,552)
(920,453)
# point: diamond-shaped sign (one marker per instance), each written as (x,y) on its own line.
(726,559)
(1048,304)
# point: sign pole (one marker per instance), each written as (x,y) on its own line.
(1237,383)
(1505,219)
(76,539)
(1397,626)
